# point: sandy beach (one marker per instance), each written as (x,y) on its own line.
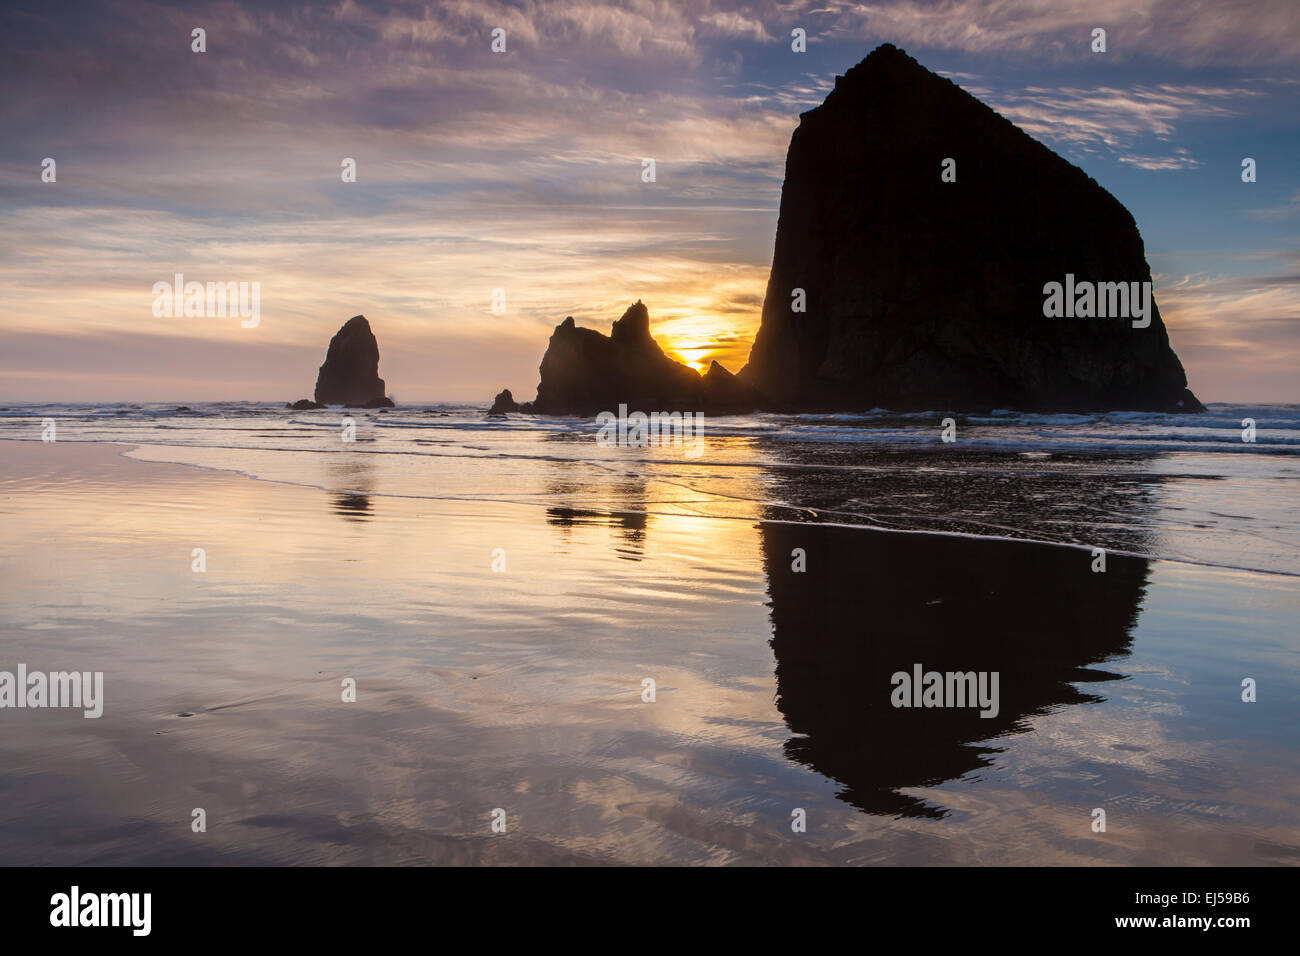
(521,688)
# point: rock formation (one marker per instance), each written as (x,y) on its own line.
(504,402)
(921,293)
(585,372)
(303,405)
(350,375)
(724,393)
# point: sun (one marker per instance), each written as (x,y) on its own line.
(694,357)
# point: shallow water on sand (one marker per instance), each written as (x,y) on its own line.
(521,688)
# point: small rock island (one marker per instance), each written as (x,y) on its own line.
(350,374)
(585,372)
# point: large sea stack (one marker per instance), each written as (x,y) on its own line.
(585,372)
(350,375)
(922,293)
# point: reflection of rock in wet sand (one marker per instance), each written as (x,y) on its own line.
(872,603)
(354,507)
(353,475)
(631,524)
(629,521)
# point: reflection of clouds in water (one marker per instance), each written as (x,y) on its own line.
(1104,741)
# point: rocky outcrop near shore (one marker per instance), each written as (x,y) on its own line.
(350,375)
(503,403)
(917,236)
(585,372)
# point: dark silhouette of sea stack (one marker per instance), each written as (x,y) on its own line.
(350,375)
(585,372)
(926,294)
(504,402)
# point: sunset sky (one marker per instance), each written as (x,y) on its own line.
(522,171)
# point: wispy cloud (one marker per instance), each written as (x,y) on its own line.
(1192,32)
(1181,159)
(735,24)
(1114,119)
(1236,335)
(1289,209)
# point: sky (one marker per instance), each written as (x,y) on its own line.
(522,171)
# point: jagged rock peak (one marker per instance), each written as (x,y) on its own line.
(634,327)
(585,372)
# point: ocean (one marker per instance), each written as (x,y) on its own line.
(564,652)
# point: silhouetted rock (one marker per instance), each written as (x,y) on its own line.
(724,393)
(350,375)
(303,405)
(585,372)
(925,294)
(504,402)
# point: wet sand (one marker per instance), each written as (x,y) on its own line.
(521,688)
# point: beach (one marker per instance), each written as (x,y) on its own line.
(500,610)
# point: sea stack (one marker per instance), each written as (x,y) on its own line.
(919,233)
(504,402)
(585,372)
(350,375)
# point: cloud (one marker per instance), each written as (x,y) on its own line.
(1190,32)
(1237,335)
(1288,209)
(1113,119)
(736,25)
(1182,159)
